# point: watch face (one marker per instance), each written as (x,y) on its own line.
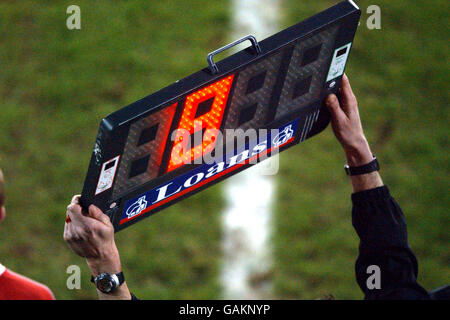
(104,283)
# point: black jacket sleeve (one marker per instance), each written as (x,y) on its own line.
(380,224)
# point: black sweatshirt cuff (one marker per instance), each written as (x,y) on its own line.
(380,193)
(378,219)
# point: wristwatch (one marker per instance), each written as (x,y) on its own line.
(367,168)
(107,282)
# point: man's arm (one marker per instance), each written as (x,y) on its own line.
(349,132)
(91,236)
(377,218)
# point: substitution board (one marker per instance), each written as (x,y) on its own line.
(152,153)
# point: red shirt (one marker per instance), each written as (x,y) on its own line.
(14,286)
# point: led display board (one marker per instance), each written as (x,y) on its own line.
(152,153)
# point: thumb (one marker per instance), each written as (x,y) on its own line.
(97,214)
(334,107)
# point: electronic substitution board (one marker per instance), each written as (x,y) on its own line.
(147,155)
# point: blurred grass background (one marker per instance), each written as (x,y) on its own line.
(57,84)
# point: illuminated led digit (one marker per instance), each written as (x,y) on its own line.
(203,111)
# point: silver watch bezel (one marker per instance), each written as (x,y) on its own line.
(114,280)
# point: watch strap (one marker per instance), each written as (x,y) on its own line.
(364,169)
(120,277)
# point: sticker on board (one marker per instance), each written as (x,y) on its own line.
(339,61)
(106,179)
